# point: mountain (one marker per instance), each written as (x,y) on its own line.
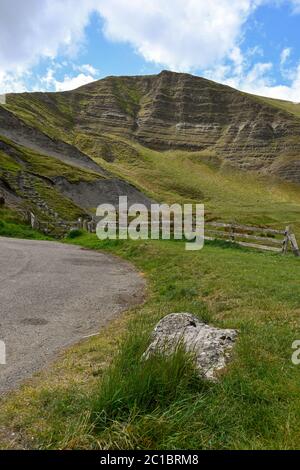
(87,144)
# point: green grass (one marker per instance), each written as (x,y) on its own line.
(292,108)
(57,202)
(11,225)
(101,395)
(49,167)
(51,113)
(127,97)
(7,163)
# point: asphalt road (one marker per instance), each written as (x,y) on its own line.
(53,295)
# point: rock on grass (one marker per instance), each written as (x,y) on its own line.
(210,346)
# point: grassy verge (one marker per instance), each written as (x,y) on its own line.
(100,395)
(11,225)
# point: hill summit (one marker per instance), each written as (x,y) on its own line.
(66,152)
(171,111)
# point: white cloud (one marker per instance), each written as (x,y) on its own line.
(180,34)
(264,87)
(12,82)
(255,51)
(184,35)
(87,74)
(296,5)
(33,29)
(284,56)
(87,68)
(237,59)
(257,80)
(70,83)
(16,83)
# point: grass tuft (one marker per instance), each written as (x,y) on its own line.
(143,386)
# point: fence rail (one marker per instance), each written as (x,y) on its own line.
(60,225)
(269,239)
(244,235)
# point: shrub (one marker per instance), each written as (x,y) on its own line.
(75,233)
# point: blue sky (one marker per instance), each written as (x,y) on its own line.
(56,45)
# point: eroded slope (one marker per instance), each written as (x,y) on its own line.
(171,111)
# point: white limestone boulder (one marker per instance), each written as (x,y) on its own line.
(210,346)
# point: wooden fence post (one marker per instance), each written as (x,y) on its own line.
(286,240)
(232,228)
(294,244)
(34,221)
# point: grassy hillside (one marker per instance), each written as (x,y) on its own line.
(11,225)
(51,113)
(171,111)
(293,108)
(30,177)
(170,176)
(199,177)
(100,395)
